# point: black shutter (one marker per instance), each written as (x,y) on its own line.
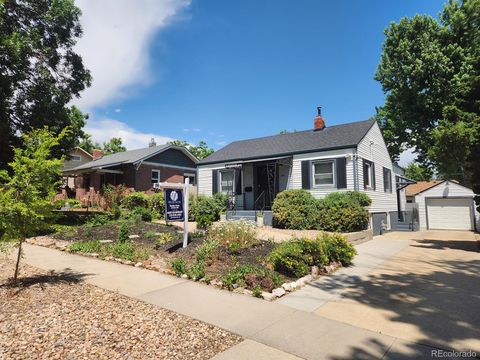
(341,171)
(365,173)
(238,182)
(306,174)
(385,179)
(214,181)
(374,185)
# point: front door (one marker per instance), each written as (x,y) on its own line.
(266,185)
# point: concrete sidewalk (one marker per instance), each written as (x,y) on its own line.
(273,330)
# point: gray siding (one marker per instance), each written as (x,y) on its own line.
(173,157)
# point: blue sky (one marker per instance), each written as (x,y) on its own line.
(227,70)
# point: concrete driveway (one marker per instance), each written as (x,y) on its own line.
(427,293)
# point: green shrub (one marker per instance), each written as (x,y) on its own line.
(222,201)
(135,200)
(342,212)
(86,247)
(205,210)
(143,213)
(207,251)
(294,209)
(123,233)
(114,195)
(98,220)
(296,257)
(197,270)
(164,238)
(348,198)
(157,204)
(257,291)
(229,232)
(250,276)
(234,247)
(179,266)
(126,250)
(337,248)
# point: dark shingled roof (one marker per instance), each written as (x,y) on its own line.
(331,137)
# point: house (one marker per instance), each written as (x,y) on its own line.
(138,169)
(77,157)
(443,205)
(321,160)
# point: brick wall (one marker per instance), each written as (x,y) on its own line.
(144,176)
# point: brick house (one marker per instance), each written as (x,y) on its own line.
(136,169)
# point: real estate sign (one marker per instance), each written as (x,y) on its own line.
(174,210)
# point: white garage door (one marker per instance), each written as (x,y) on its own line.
(450,214)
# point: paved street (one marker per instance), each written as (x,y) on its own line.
(403,297)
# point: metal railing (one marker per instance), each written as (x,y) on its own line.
(260,202)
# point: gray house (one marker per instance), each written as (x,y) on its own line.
(321,160)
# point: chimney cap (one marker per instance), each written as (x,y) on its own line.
(319,110)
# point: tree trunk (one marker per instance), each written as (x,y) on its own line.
(17,265)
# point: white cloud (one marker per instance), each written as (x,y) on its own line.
(104,129)
(407,157)
(115,44)
(118,110)
(196,130)
(221,143)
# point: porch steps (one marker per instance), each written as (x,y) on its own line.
(247,215)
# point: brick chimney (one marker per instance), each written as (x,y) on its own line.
(97,154)
(318,122)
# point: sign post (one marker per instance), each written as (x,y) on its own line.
(176,204)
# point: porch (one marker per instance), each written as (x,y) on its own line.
(253,186)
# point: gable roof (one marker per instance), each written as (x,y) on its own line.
(83,151)
(332,137)
(131,156)
(421,186)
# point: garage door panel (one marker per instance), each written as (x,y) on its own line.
(450,214)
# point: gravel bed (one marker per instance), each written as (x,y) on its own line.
(57,316)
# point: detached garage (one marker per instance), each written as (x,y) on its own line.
(444,205)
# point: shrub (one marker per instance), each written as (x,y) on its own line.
(296,257)
(337,248)
(157,204)
(143,213)
(251,276)
(294,209)
(164,238)
(207,251)
(222,201)
(343,212)
(197,270)
(98,220)
(135,200)
(205,210)
(126,250)
(257,291)
(179,266)
(123,233)
(86,247)
(227,233)
(114,195)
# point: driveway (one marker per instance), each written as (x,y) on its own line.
(427,293)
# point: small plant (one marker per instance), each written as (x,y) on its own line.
(179,266)
(98,220)
(164,238)
(150,235)
(88,233)
(207,251)
(197,234)
(234,247)
(230,232)
(250,276)
(337,248)
(197,270)
(144,214)
(257,291)
(126,251)
(86,247)
(123,233)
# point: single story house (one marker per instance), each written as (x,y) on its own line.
(321,160)
(138,169)
(443,205)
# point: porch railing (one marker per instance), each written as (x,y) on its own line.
(260,202)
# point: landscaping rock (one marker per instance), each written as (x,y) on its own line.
(247,292)
(294,285)
(216,282)
(315,271)
(133,236)
(138,264)
(106,241)
(308,278)
(287,287)
(95,255)
(279,292)
(184,276)
(268,296)
(239,290)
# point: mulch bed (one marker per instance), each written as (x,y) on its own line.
(58,316)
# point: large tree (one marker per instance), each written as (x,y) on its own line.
(40,73)
(429,71)
(200,151)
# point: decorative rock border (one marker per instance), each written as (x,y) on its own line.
(284,289)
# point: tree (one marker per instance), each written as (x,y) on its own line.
(87,144)
(40,73)
(430,73)
(418,172)
(114,145)
(201,151)
(26,192)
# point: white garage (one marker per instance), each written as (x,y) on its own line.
(450,214)
(444,205)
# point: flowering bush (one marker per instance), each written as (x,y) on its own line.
(233,232)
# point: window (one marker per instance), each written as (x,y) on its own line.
(191,178)
(155,176)
(324,173)
(387,180)
(76,158)
(226,182)
(368,174)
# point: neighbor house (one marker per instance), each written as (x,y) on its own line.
(76,157)
(443,205)
(136,169)
(321,160)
